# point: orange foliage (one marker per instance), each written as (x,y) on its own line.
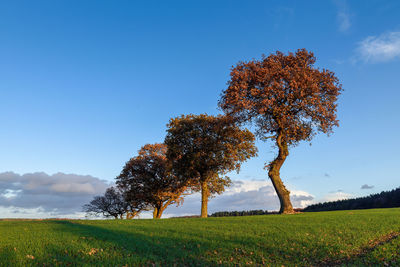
(283,93)
(286,98)
(203,148)
(147,178)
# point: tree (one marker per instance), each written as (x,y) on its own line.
(112,204)
(287,99)
(203,148)
(148,178)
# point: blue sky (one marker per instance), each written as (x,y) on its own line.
(84,84)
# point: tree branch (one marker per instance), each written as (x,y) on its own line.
(268,137)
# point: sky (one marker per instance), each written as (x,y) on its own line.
(85,84)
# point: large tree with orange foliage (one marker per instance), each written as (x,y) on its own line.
(204,148)
(288,99)
(148,178)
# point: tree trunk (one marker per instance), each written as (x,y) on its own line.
(159,213)
(163,207)
(204,198)
(274,175)
(131,215)
(155,212)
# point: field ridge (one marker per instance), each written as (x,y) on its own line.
(372,245)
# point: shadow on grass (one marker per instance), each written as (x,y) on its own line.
(117,248)
(146,247)
(120,243)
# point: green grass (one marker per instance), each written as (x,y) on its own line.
(341,237)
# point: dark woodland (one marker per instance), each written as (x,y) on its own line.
(385,199)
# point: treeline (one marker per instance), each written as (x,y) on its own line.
(385,199)
(239,213)
(197,152)
(283,97)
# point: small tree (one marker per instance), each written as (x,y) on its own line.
(111,204)
(203,148)
(148,178)
(287,99)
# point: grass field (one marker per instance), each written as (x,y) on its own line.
(318,239)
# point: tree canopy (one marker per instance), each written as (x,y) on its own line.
(148,178)
(287,99)
(203,148)
(112,204)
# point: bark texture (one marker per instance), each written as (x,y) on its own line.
(204,199)
(274,175)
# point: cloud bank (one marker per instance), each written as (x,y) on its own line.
(39,195)
(57,194)
(382,48)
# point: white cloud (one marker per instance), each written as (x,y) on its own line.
(343,15)
(344,21)
(243,195)
(384,47)
(333,196)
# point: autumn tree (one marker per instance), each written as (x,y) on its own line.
(287,99)
(203,149)
(148,178)
(112,204)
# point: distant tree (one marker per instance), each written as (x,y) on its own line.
(385,199)
(112,204)
(148,178)
(287,99)
(203,149)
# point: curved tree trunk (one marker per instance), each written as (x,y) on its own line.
(274,175)
(204,199)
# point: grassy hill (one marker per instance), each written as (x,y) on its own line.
(318,239)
